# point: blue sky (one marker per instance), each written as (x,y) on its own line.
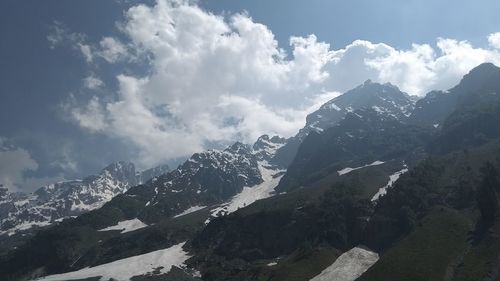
(44,99)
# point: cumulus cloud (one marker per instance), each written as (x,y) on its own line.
(112,50)
(214,79)
(494,40)
(416,71)
(91,116)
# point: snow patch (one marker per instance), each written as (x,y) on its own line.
(26,226)
(126,226)
(334,106)
(348,170)
(250,194)
(190,210)
(392,179)
(349,266)
(125,269)
(378,109)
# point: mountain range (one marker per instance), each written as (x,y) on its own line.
(377,186)
(21,213)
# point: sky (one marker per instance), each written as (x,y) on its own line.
(86,83)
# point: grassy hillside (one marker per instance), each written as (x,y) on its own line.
(428,251)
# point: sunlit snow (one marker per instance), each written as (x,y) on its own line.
(124,269)
(126,226)
(348,170)
(349,266)
(392,179)
(190,210)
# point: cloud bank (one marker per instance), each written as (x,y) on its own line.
(213,79)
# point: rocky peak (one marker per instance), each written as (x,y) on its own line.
(121,171)
(265,147)
(384,98)
(238,148)
(479,78)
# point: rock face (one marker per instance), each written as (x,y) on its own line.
(385,99)
(54,202)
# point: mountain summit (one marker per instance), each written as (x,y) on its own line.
(386,99)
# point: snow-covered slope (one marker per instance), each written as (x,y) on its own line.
(270,179)
(349,266)
(121,270)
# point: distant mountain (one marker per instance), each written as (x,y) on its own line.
(386,99)
(54,202)
(206,179)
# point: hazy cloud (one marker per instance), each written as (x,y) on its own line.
(92,82)
(15,163)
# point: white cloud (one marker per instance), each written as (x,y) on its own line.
(60,35)
(91,116)
(112,50)
(92,82)
(417,70)
(494,40)
(212,80)
(86,51)
(216,79)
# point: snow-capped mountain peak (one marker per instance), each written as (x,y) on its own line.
(384,98)
(54,202)
(265,147)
